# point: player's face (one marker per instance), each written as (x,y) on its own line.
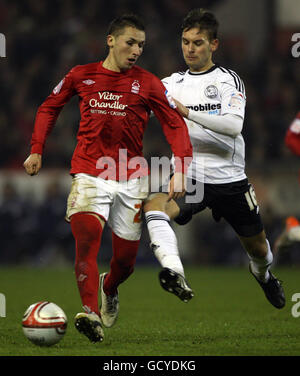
(126,48)
(198,49)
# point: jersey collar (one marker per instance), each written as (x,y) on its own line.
(205,72)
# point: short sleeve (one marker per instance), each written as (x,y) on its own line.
(233,97)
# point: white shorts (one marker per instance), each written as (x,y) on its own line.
(118,203)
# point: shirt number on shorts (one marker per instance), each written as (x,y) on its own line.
(137,217)
(251,198)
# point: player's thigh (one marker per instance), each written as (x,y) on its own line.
(125,217)
(91,195)
(198,196)
(101,220)
(182,209)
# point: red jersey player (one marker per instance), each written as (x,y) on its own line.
(115,100)
(292,137)
(291,233)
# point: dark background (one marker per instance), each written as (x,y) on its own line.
(45,39)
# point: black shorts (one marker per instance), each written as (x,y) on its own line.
(235,202)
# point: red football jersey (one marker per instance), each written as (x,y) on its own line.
(292,137)
(115,109)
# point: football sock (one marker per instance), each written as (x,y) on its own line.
(122,263)
(260,266)
(163,240)
(87,231)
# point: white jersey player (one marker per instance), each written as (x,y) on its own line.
(216,102)
(212,100)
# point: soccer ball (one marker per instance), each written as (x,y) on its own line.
(44,323)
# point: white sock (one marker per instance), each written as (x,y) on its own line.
(260,266)
(163,240)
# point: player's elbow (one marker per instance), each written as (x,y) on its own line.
(234,132)
(236,125)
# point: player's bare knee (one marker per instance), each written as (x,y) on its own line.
(172,209)
(156,201)
(159,202)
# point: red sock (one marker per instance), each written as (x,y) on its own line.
(122,263)
(87,231)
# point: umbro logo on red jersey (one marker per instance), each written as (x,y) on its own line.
(88,82)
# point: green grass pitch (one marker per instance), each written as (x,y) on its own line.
(229,315)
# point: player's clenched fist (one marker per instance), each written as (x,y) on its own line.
(33,164)
(177,186)
(184,111)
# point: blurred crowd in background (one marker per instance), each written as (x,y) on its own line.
(45,39)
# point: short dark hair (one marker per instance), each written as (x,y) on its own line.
(204,20)
(118,24)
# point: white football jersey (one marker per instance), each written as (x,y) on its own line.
(217,158)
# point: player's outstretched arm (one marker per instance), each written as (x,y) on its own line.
(33,164)
(228,124)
